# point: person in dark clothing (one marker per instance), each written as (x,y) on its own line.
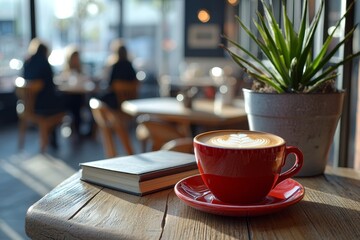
(49,101)
(37,66)
(123,68)
(120,69)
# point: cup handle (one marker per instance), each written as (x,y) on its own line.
(297,165)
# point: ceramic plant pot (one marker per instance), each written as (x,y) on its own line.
(307,121)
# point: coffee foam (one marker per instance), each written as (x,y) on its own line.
(241,140)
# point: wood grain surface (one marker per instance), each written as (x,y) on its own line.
(78,210)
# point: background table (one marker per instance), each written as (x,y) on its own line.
(78,210)
(86,88)
(202,112)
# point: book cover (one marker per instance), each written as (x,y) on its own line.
(140,173)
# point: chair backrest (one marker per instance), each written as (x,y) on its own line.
(125,90)
(179,145)
(159,131)
(27,91)
(102,114)
(109,122)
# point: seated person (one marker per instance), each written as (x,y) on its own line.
(73,76)
(37,66)
(119,69)
(49,101)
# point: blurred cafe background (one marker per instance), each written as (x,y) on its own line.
(168,41)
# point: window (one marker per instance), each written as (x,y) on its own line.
(14,37)
(152,31)
(88,24)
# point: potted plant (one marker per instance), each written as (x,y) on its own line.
(294,96)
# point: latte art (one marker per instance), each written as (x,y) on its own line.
(239,141)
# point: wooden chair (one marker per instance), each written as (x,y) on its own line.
(143,136)
(27,91)
(108,121)
(158,132)
(179,145)
(125,90)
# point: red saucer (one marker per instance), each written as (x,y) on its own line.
(195,193)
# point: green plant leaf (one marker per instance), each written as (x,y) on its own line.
(280,47)
(318,66)
(322,59)
(256,73)
(245,64)
(266,50)
(271,50)
(293,67)
(315,86)
(306,55)
(332,68)
(291,37)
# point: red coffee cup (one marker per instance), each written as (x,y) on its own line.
(241,167)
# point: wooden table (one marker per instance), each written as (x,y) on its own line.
(72,83)
(204,81)
(78,210)
(86,88)
(202,112)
